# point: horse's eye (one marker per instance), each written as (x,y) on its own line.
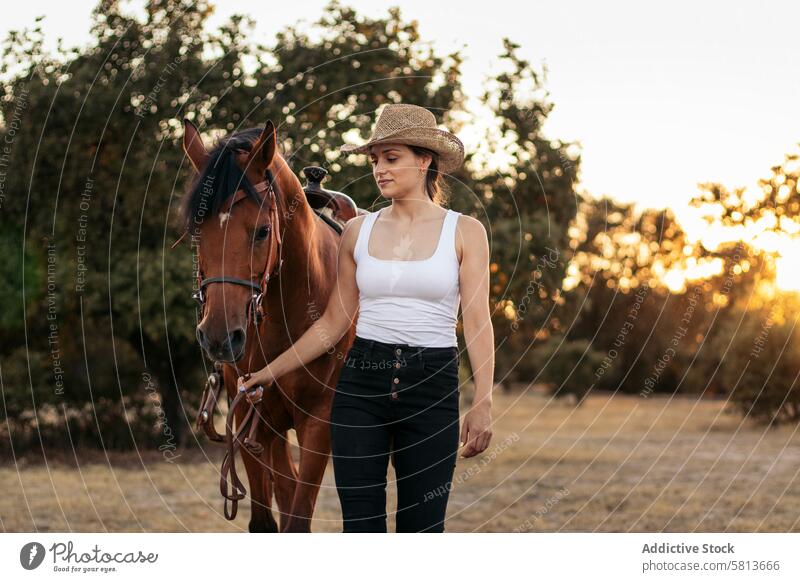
(262,233)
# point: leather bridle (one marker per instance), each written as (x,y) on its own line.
(255,308)
(246,433)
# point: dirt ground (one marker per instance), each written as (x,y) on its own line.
(614,464)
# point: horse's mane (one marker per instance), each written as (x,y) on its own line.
(220,179)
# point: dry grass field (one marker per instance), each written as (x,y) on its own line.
(614,464)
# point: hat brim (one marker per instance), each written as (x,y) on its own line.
(444,143)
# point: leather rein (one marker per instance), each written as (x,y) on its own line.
(215,384)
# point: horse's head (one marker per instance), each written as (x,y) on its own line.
(230,213)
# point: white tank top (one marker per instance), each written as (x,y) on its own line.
(412,302)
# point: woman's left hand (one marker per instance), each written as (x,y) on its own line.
(477,430)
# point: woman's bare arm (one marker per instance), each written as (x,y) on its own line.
(334,323)
(478,333)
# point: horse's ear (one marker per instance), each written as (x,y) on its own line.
(264,149)
(193,145)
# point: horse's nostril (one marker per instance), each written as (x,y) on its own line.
(227,349)
(201,337)
(236,340)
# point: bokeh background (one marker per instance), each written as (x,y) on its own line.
(646,350)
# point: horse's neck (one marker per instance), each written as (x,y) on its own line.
(296,213)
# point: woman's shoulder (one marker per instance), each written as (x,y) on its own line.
(469,225)
(352,226)
(352,229)
(469,228)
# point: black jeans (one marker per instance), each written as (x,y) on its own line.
(400,401)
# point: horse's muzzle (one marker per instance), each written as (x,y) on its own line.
(228,349)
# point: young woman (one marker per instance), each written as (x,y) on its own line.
(404,270)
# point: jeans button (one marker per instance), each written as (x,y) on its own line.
(397,364)
(396,380)
(394,395)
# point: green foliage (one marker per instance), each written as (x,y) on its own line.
(529,205)
(18,301)
(568,366)
(760,351)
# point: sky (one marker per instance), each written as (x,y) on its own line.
(660,97)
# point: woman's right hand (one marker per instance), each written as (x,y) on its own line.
(262,377)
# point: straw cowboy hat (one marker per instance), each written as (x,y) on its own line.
(413,125)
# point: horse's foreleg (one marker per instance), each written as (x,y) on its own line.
(257,466)
(313,436)
(285,475)
(261,519)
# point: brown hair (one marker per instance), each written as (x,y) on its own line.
(434,183)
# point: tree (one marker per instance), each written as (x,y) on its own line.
(529,207)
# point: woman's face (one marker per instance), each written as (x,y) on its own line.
(397,169)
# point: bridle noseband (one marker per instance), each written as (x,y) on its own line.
(255,309)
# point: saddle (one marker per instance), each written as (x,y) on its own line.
(335,208)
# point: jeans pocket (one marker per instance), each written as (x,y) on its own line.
(355,356)
(445,362)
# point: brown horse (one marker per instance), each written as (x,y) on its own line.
(248,214)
